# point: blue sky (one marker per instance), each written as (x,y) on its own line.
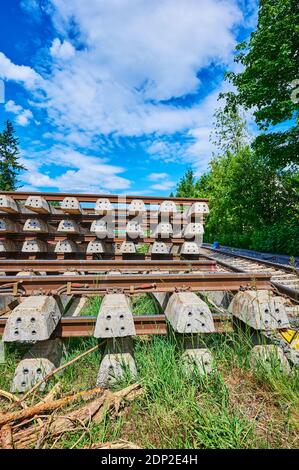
(116,96)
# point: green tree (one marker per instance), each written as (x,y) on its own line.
(9,159)
(230,131)
(252,205)
(270,73)
(187,185)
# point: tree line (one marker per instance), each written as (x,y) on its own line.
(253,184)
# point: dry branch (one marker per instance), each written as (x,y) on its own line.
(63,366)
(6,437)
(42,408)
(120,444)
(94,411)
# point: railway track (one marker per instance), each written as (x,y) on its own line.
(284,278)
(57,250)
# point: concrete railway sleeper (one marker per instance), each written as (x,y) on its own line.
(186,315)
(197,294)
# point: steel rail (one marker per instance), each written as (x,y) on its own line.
(271,264)
(86,238)
(88,216)
(130,284)
(104,265)
(23,195)
(81,255)
(282,289)
(145,325)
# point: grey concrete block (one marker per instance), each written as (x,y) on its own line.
(34,319)
(114,367)
(68,226)
(41,359)
(95,246)
(160,248)
(34,246)
(136,206)
(127,247)
(36,225)
(66,246)
(260,309)
(134,229)
(25,273)
(220,298)
(293,356)
(8,205)
(269,356)
(37,204)
(163,230)
(103,206)
(2,352)
(167,208)
(187,313)
(103,228)
(193,230)
(117,363)
(115,318)
(200,360)
(71,205)
(197,209)
(189,248)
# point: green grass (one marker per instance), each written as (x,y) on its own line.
(234,407)
(143,249)
(92,307)
(145,304)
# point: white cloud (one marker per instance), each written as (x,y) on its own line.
(12,107)
(78,172)
(162,182)
(62,50)
(18,73)
(115,75)
(23,116)
(157,176)
(136,54)
(163,186)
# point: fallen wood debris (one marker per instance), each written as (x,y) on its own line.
(120,444)
(6,437)
(42,422)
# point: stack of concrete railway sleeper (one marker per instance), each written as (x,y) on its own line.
(58,250)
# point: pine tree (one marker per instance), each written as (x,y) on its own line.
(9,159)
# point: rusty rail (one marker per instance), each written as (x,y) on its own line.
(23,195)
(145,325)
(105,265)
(130,284)
(281,288)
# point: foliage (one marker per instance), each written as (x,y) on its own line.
(9,159)
(268,78)
(253,205)
(254,189)
(230,132)
(187,185)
